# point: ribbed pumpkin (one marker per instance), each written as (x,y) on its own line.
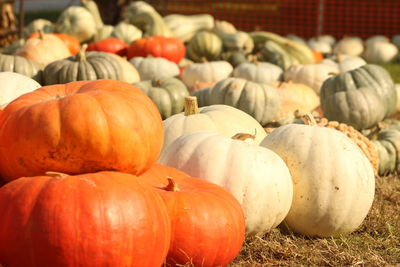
(387,144)
(203,216)
(259,72)
(259,100)
(257,177)
(70,41)
(334,183)
(204,45)
(94,219)
(21,65)
(380,95)
(154,67)
(223,119)
(44,49)
(88,66)
(80,127)
(167,93)
(158,46)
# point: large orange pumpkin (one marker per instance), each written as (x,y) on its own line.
(70,41)
(91,220)
(80,127)
(208,226)
(170,48)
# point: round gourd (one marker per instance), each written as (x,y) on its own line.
(387,145)
(223,119)
(345,63)
(361,108)
(78,22)
(203,215)
(204,45)
(21,65)
(312,75)
(157,46)
(44,49)
(167,93)
(110,45)
(334,183)
(126,32)
(154,67)
(77,220)
(368,75)
(70,41)
(259,100)
(259,72)
(213,71)
(89,66)
(380,52)
(80,127)
(352,46)
(257,177)
(36,25)
(320,45)
(15,86)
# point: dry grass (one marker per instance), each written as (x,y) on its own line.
(376,243)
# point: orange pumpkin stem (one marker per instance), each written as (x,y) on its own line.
(191,106)
(171,186)
(56,174)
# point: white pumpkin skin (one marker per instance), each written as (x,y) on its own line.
(257,177)
(78,22)
(223,119)
(260,72)
(333,180)
(152,67)
(312,75)
(352,46)
(380,52)
(206,72)
(16,85)
(345,63)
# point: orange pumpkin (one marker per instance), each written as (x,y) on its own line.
(91,220)
(70,41)
(317,56)
(44,48)
(80,127)
(208,226)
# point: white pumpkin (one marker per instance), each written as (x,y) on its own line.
(15,85)
(380,52)
(213,71)
(222,119)
(312,75)
(333,180)
(329,39)
(44,25)
(129,72)
(260,72)
(320,44)
(352,46)
(376,39)
(257,177)
(126,32)
(345,63)
(152,67)
(78,22)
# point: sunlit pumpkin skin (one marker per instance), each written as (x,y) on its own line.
(158,46)
(203,216)
(95,219)
(334,182)
(80,127)
(70,41)
(44,48)
(110,45)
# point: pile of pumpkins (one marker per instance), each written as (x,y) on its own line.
(168,140)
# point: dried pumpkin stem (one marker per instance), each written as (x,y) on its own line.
(191,106)
(244,136)
(56,174)
(171,186)
(309,119)
(81,56)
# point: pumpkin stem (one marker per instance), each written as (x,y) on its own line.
(333,73)
(191,106)
(56,174)
(309,119)
(244,136)
(171,186)
(40,34)
(81,56)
